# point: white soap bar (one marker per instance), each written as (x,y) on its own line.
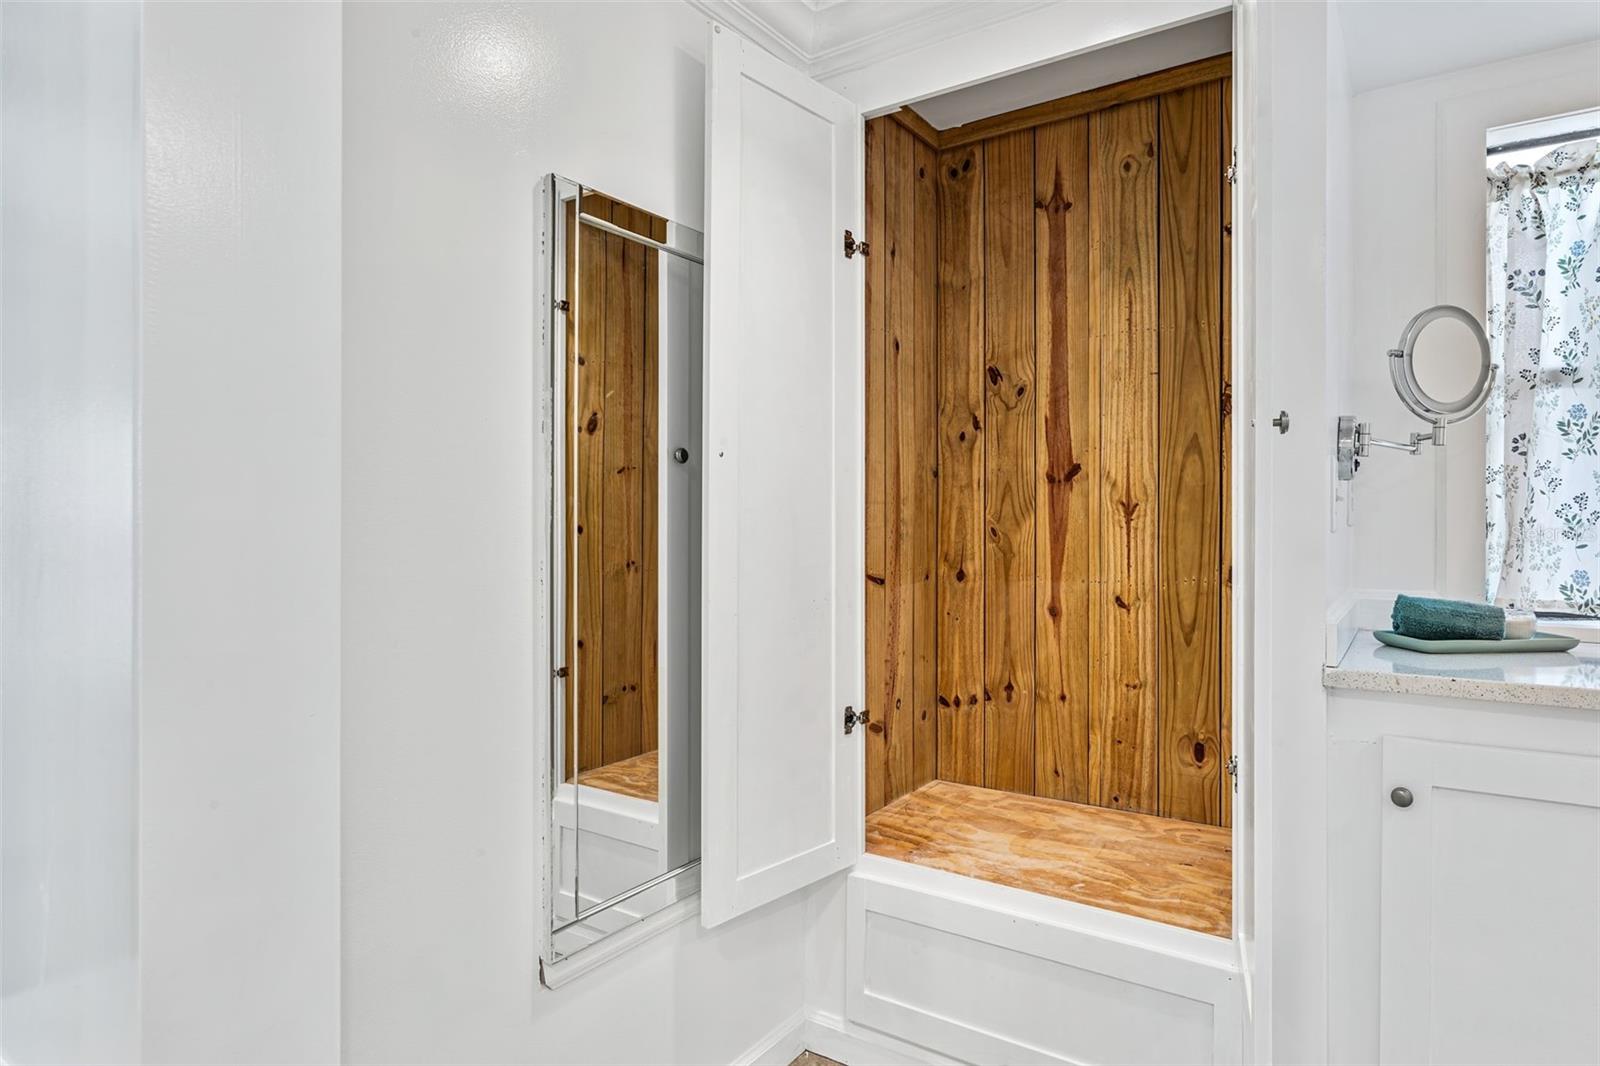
(1519,624)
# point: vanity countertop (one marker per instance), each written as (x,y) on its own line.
(1554,679)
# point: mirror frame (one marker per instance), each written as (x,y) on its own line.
(555,966)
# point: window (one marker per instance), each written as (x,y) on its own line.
(1542,457)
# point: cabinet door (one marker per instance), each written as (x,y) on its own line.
(1491,905)
(784,421)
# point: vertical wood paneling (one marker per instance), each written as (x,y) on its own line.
(925,491)
(877,626)
(610,509)
(1123,183)
(621,716)
(590,465)
(900,478)
(1189,519)
(1009,470)
(959,578)
(1068,433)
(1047,473)
(1225,730)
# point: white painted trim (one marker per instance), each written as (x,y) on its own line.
(626,818)
(1341,630)
(1123,929)
(831,1036)
(553,975)
(846,37)
(779,1047)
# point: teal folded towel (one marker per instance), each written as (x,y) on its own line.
(1430,619)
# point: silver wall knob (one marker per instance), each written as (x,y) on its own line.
(1282,422)
(1401,796)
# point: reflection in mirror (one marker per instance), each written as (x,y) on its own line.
(625,338)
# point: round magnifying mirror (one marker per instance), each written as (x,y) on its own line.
(1429,363)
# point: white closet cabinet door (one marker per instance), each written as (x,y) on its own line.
(1491,905)
(784,422)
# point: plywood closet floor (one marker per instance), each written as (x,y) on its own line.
(1167,870)
(637,777)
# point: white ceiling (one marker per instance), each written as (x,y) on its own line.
(1129,59)
(1402,40)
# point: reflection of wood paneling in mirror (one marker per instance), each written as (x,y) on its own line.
(613,499)
(638,777)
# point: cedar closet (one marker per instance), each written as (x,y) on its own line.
(1047,512)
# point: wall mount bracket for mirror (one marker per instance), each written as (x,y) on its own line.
(1355,440)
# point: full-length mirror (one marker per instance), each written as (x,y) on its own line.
(623,733)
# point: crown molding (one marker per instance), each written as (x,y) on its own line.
(785,28)
(828,37)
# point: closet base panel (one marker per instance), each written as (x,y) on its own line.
(982,972)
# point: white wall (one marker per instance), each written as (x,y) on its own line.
(69,348)
(1418,225)
(451,115)
(240,550)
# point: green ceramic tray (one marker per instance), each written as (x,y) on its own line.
(1537,642)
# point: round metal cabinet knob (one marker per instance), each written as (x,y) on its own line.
(1401,796)
(680,455)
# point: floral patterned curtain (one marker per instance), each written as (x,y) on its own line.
(1542,470)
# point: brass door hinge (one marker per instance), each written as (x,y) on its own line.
(852,246)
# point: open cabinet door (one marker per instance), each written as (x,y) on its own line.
(782,656)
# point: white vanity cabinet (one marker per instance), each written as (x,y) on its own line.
(1464,869)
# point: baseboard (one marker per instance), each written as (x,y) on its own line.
(832,1037)
(779,1047)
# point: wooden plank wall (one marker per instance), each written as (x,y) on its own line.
(901,410)
(612,528)
(1047,472)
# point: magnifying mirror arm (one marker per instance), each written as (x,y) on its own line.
(1365,441)
(1355,439)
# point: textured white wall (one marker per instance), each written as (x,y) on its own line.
(240,482)
(452,112)
(69,348)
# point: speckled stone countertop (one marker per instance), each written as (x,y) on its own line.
(1553,679)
